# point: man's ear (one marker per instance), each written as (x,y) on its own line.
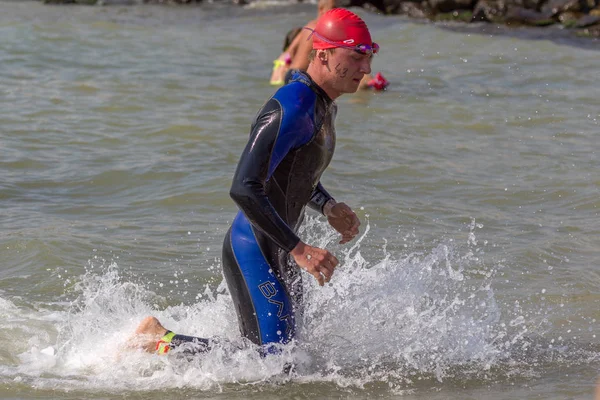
(323,56)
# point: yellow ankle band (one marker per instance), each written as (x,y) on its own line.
(162,346)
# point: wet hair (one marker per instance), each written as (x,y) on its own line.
(290,36)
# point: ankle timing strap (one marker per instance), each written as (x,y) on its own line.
(162,346)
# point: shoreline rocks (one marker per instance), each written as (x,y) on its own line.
(582,17)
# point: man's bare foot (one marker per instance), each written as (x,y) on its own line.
(147,334)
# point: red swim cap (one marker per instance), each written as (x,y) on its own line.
(340,28)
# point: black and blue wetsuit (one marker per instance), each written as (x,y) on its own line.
(291,143)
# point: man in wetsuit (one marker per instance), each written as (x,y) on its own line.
(291,143)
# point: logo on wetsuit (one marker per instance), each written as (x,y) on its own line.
(269,291)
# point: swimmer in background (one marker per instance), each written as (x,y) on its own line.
(282,64)
(302,44)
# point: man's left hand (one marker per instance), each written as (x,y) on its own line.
(344,220)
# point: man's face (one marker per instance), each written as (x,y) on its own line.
(346,68)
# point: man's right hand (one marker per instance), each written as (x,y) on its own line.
(318,262)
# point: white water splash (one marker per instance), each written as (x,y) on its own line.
(407,315)
(394,319)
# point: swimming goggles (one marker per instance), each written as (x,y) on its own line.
(372,48)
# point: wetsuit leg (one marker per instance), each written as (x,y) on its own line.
(263,285)
(190,344)
(263,304)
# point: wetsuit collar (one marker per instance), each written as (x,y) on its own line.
(301,76)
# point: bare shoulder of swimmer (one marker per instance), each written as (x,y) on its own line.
(301,39)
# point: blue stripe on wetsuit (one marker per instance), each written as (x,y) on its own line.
(297,125)
(271,303)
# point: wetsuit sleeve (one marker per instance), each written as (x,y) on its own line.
(319,198)
(265,150)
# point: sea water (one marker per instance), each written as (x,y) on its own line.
(475,274)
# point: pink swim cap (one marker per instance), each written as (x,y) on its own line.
(378,82)
(340,28)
